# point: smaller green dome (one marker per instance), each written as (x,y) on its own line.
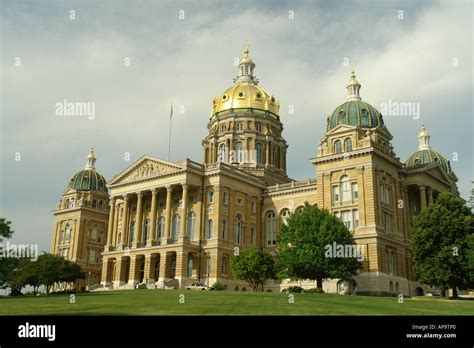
(355,113)
(423,157)
(88,180)
(426,155)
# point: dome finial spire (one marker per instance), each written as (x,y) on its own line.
(423,138)
(90,164)
(353,87)
(246,67)
(246,48)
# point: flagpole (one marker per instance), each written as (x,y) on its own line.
(169,136)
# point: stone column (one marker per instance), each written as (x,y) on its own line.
(184,210)
(110,227)
(124,237)
(119,272)
(162,276)
(137,236)
(422,189)
(169,193)
(151,235)
(429,190)
(105,272)
(133,275)
(114,228)
(147,269)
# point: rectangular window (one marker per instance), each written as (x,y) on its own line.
(346,193)
(239,201)
(356,218)
(224,229)
(161,204)
(387,195)
(337,214)
(355,191)
(382,193)
(335,193)
(253,235)
(258,127)
(346,219)
(210,197)
(253,207)
(225,198)
(387,222)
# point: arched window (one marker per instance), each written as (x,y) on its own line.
(101,203)
(259,150)
(285,215)
(66,203)
(160,227)
(146,227)
(223,128)
(397,288)
(209,229)
(238,229)
(94,203)
(222,151)
(239,152)
(391,288)
(175,227)
(68,233)
(348,145)
(190,266)
(224,264)
(239,126)
(94,237)
(337,146)
(173,268)
(71,203)
(270,225)
(346,190)
(191,226)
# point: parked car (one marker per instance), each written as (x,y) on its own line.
(199,287)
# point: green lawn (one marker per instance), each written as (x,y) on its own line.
(166,302)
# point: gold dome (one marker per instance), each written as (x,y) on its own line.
(245,93)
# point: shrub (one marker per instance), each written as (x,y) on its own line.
(295,289)
(314,291)
(218,286)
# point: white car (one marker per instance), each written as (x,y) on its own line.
(199,286)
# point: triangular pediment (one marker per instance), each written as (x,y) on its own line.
(146,167)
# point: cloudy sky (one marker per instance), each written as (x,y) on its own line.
(183,53)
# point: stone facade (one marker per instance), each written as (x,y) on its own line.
(173,223)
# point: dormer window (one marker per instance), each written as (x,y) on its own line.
(259,95)
(224,97)
(241,95)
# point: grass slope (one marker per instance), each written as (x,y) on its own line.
(166,302)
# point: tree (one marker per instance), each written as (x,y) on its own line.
(5,229)
(303,244)
(27,273)
(7,264)
(50,268)
(253,265)
(70,272)
(440,240)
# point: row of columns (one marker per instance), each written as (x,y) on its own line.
(424,202)
(137,237)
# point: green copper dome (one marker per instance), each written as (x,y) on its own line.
(426,155)
(423,157)
(354,111)
(88,179)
